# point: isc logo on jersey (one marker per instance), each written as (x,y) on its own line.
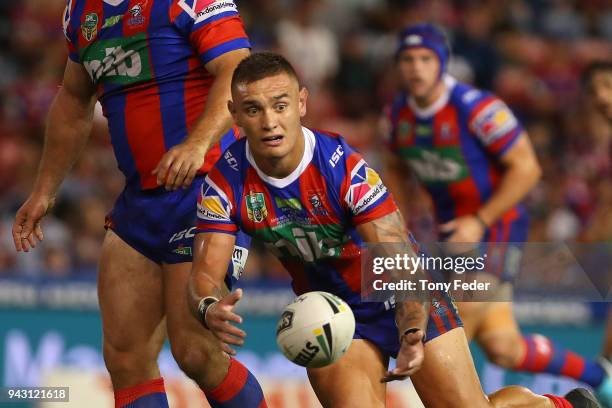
(366,187)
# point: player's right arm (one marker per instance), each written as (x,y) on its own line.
(68,126)
(213,248)
(212,255)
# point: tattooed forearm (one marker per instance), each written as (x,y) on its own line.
(391,234)
(411,314)
(390,228)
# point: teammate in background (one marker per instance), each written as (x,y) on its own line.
(597,79)
(337,203)
(477,163)
(161,70)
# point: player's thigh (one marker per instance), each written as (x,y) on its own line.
(448,377)
(131,305)
(354,380)
(196,350)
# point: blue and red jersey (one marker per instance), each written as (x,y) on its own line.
(454,149)
(307,219)
(147,60)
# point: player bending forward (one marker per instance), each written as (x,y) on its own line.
(342,204)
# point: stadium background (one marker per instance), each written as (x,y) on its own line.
(530,53)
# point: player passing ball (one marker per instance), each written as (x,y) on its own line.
(339,202)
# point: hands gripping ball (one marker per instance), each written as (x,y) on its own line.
(316,329)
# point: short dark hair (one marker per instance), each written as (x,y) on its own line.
(594,68)
(261,65)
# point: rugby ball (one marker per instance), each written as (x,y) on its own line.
(316,329)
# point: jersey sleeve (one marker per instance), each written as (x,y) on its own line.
(72,49)
(363,192)
(215,209)
(213,27)
(495,125)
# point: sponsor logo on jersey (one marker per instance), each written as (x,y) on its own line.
(89,28)
(118,60)
(306,242)
(423,131)
(239,258)
(442,165)
(182,250)
(231,160)
(493,121)
(112,21)
(184,234)
(213,9)
(211,208)
(336,155)
(256,207)
(288,203)
(366,187)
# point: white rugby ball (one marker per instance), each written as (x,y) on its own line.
(315,329)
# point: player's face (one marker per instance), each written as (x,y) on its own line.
(601,87)
(270,112)
(419,70)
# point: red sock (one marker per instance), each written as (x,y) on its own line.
(148,394)
(559,402)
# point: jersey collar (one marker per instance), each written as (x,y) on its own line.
(309,145)
(435,107)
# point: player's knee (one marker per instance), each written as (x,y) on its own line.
(515,395)
(503,351)
(122,362)
(200,361)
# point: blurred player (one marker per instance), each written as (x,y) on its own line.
(161,70)
(598,81)
(471,154)
(337,203)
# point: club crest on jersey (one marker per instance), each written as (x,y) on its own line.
(256,207)
(403,131)
(89,28)
(136,14)
(317,203)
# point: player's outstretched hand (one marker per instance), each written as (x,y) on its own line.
(464,229)
(179,165)
(218,318)
(409,358)
(26,228)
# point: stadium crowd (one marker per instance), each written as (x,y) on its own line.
(531,53)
